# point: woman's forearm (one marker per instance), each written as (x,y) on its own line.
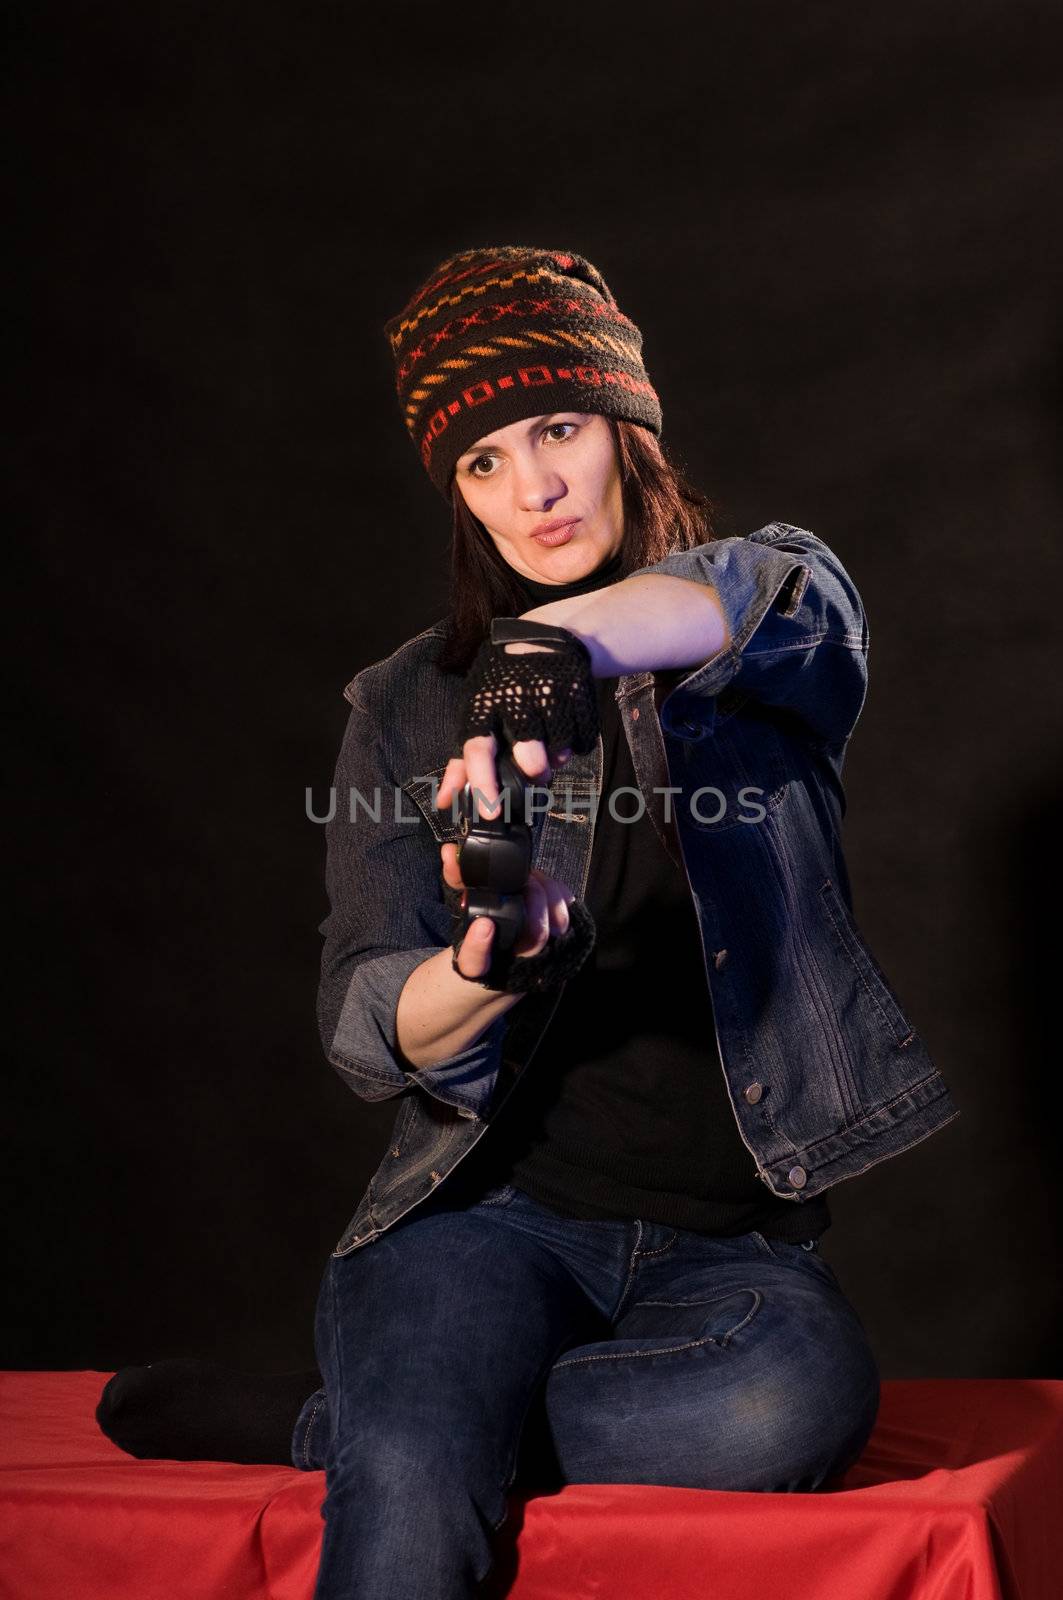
(439,1013)
(648,622)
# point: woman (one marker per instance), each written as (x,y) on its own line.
(590,1253)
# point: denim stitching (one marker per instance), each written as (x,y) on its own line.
(632,1267)
(847,1154)
(306,1435)
(628,1355)
(658,1250)
(793,604)
(765,1110)
(514,1456)
(818,989)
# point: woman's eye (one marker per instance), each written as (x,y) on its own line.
(473,468)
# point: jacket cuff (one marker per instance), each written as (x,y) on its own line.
(467,1080)
(798,636)
(365,1045)
(750,579)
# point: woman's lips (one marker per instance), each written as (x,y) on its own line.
(559,535)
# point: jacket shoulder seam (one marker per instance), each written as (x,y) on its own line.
(353,690)
(778,530)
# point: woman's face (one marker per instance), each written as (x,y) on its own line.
(560,466)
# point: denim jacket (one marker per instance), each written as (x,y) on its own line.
(825,1072)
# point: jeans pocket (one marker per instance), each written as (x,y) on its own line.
(795,1252)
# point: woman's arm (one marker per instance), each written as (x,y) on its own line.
(648,621)
(387,919)
(775,614)
(645,622)
(435,1018)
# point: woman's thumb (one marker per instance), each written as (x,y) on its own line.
(476,947)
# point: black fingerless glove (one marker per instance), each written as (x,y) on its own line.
(559,959)
(533,695)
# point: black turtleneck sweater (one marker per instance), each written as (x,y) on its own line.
(624,1109)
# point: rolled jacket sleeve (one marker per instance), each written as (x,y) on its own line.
(387,915)
(798,633)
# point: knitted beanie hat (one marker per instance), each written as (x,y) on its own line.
(496,335)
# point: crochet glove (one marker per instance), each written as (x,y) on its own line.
(534,694)
(560,958)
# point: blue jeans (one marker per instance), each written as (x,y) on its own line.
(475,1346)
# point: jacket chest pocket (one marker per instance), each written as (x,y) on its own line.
(734,776)
(420,790)
(444,828)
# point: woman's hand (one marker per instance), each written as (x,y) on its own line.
(545,914)
(476,766)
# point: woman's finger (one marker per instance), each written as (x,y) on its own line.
(480,771)
(530,756)
(557,900)
(474,955)
(536,930)
(557,896)
(453,781)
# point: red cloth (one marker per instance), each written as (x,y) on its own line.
(958,1497)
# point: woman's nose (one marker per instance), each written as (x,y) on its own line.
(538,488)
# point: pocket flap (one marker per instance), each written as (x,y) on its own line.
(421,790)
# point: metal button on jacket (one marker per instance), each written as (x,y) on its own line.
(753,1094)
(798,1177)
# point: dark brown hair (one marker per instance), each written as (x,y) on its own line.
(663,512)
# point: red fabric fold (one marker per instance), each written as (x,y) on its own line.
(957,1497)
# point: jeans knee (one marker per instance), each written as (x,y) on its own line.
(402,1459)
(789,1438)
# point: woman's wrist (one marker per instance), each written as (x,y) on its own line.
(646,623)
(439,1013)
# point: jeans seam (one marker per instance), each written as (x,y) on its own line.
(658,1250)
(638,1255)
(632,1355)
(306,1435)
(337,1359)
(515,1447)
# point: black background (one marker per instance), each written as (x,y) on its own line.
(838,228)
